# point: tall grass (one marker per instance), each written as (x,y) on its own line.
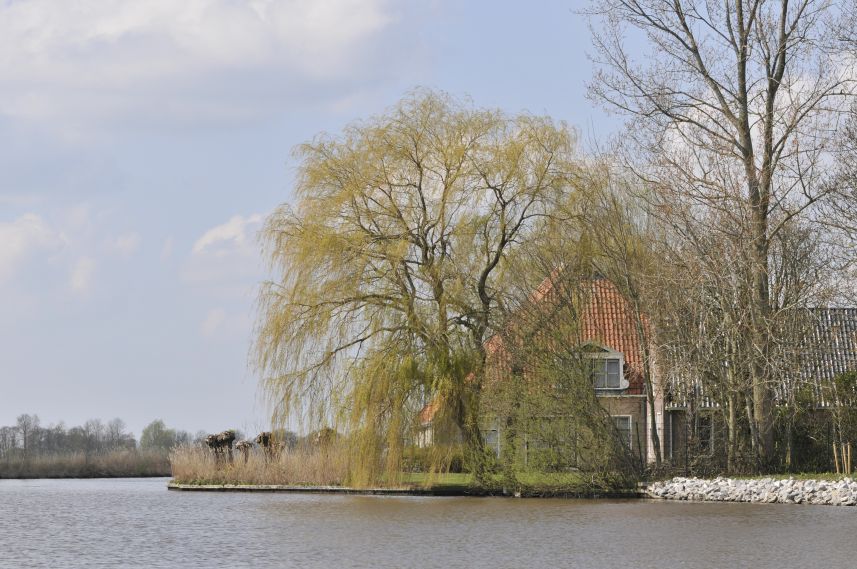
(113,464)
(301,466)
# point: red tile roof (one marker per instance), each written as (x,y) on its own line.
(427,413)
(607,320)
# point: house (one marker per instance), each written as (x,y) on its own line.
(830,348)
(608,322)
(611,335)
(827,350)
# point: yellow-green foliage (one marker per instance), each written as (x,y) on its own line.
(392,267)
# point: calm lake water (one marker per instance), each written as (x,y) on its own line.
(138,523)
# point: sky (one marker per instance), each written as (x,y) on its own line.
(143,144)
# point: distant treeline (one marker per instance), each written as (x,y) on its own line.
(94,449)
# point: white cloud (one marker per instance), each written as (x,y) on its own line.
(213,320)
(81,275)
(226,237)
(226,258)
(125,245)
(23,237)
(104,58)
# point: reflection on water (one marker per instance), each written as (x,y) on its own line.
(138,523)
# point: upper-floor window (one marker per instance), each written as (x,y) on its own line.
(607,373)
(606,367)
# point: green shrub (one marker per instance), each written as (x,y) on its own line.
(435,458)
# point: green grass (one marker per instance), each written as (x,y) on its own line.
(799,476)
(777,476)
(528,483)
(437,481)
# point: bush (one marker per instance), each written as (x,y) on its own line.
(543,459)
(435,458)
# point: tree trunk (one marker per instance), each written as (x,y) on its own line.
(509,450)
(475,454)
(650,391)
(474,443)
(731,426)
(754,437)
(655,438)
(763,397)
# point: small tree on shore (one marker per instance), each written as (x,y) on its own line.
(156,435)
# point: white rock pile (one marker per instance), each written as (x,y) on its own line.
(765,490)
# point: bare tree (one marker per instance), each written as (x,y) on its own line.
(732,116)
(117,436)
(840,213)
(8,440)
(27,425)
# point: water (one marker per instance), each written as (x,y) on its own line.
(138,523)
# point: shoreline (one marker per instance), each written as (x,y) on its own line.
(819,492)
(405,491)
(737,490)
(308,489)
(87,477)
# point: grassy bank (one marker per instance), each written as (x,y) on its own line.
(828,476)
(329,466)
(114,464)
(831,476)
(526,484)
(197,466)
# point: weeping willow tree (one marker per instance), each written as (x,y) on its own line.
(390,265)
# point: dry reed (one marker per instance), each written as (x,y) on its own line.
(113,464)
(303,467)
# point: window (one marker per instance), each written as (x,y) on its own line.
(705,433)
(492,439)
(623,425)
(607,373)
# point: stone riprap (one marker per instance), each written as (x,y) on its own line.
(763,490)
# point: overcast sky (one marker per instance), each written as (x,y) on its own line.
(143,142)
